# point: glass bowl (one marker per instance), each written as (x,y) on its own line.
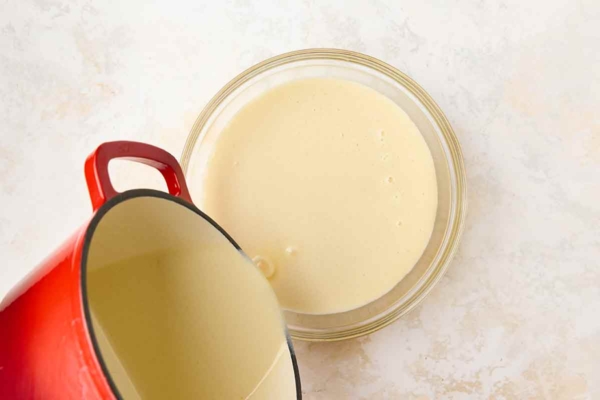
(435,128)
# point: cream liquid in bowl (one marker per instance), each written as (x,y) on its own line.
(329,186)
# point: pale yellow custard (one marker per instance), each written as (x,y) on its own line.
(329,186)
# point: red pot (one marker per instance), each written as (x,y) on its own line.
(48,349)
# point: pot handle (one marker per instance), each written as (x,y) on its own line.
(98,180)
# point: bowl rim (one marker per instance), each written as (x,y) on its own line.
(456,226)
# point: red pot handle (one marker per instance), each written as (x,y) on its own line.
(98,180)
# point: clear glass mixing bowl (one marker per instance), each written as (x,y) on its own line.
(430,120)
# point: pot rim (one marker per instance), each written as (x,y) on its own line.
(87,239)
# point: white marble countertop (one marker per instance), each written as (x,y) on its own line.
(516,316)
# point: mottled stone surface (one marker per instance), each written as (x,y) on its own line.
(517,315)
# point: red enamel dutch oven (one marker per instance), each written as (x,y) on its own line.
(48,349)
